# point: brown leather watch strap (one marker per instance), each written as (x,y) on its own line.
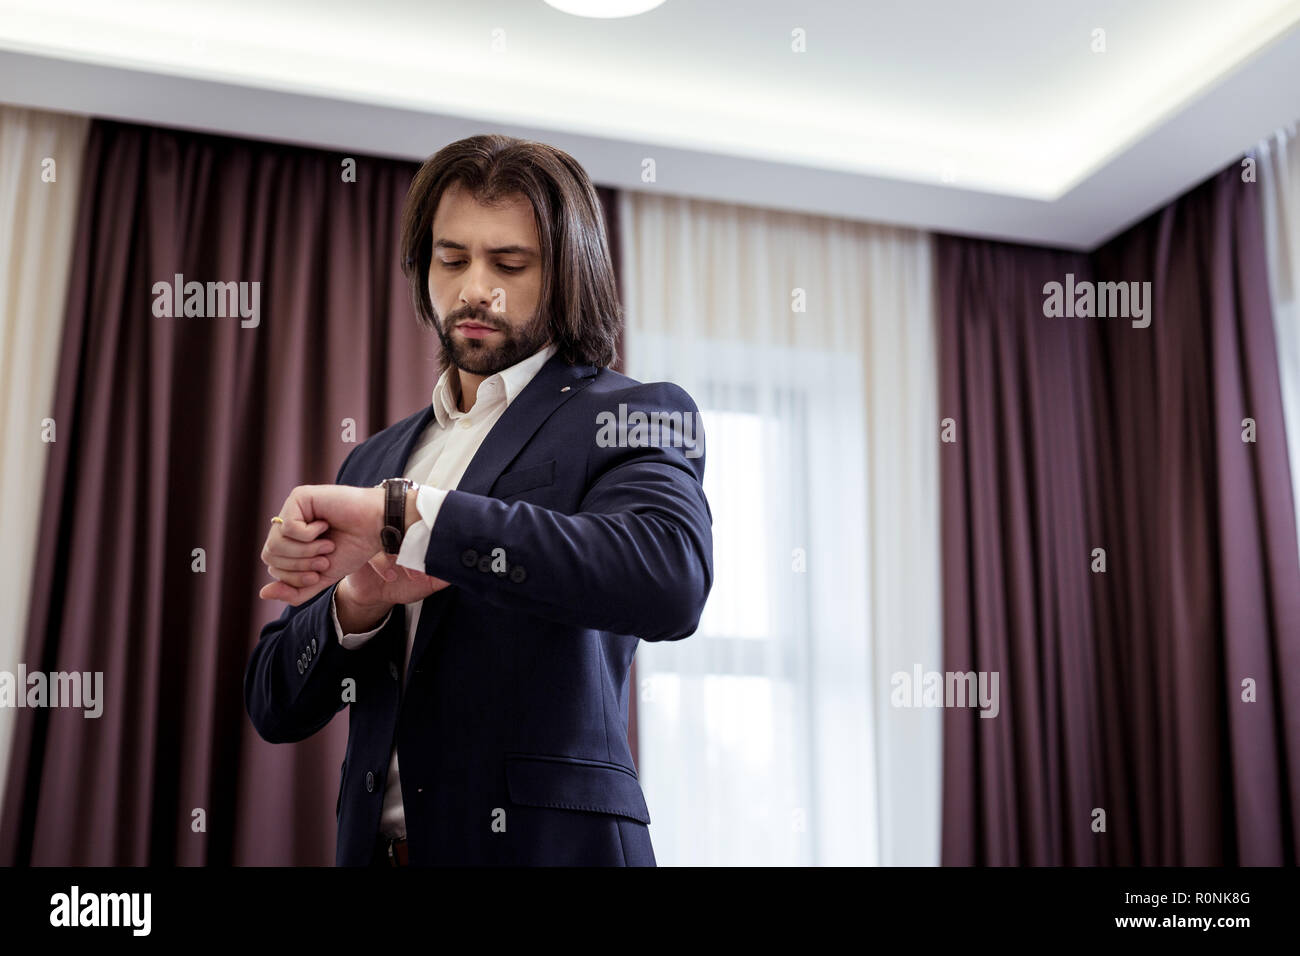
(394,529)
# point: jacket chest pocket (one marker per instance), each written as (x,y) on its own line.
(525,479)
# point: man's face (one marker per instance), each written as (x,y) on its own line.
(485,279)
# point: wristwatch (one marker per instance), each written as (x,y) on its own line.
(394,529)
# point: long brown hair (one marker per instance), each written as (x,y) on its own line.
(578,290)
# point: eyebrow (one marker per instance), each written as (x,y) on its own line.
(499,250)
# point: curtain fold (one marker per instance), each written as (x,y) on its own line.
(1227,607)
(1017,528)
(42,156)
(1151,692)
(808,344)
(178,437)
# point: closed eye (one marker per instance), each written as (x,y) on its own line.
(503,267)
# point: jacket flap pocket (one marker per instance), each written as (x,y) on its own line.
(513,482)
(569,783)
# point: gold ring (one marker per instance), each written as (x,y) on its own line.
(277,520)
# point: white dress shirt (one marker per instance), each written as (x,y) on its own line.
(437,463)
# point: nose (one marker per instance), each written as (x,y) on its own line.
(476,293)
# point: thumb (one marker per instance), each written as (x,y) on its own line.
(383,565)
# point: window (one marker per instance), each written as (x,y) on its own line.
(737,722)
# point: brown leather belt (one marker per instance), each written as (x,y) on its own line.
(394,851)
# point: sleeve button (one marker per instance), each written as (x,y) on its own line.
(370,781)
(469,558)
(517,574)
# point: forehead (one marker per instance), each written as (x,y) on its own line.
(463,219)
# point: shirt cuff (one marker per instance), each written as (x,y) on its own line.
(353,641)
(415,544)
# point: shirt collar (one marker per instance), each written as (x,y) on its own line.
(512,379)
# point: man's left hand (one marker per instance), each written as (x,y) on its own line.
(353,518)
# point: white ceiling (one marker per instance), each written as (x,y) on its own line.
(992,118)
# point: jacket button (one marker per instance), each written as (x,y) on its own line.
(485,563)
(392,670)
(469,558)
(370,781)
(517,574)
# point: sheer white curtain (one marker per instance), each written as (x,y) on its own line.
(1279,178)
(37,219)
(808,344)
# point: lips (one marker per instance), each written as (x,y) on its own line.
(473,330)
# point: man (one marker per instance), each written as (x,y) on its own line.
(480,624)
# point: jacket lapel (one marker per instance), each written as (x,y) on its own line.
(392,463)
(554,384)
(521,419)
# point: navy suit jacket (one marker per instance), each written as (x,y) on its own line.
(511,732)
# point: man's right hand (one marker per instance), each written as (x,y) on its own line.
(366,595)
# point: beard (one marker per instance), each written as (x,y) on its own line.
(481,357)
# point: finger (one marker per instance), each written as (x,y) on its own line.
(298,525)
(292,546)
(300,530)
(281,563)
(282,547)
(297,529)
(279,591)
(296,579)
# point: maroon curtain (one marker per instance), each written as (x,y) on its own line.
(1121,691)
(177,434)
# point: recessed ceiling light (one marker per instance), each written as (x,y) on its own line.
(605,9)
